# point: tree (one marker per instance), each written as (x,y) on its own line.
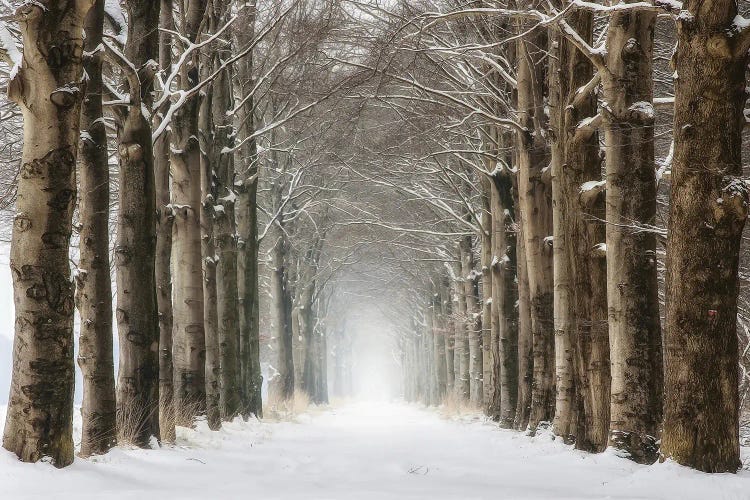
(93,279)
(47,88)
(706,218)
(137,313)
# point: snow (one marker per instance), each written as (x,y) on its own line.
(367,451)
(589,185)
(117,20)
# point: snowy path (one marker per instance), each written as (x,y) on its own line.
(363,451)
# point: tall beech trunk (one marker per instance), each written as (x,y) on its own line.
(461,346)
(525,338)
(164,218)
(488,379)
(440,329)
(504,298)
(281,316)
(634,328)
(473,322)
(187,263)
(94,279)
(536,218)
(449,334)
(39,422)
(247,222)
(208,194)
(707,215)
(135,247)
(562,246)
(582,413)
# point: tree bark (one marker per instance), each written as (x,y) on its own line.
(707,214)
(135,247)
(634,327)
(164,219)
(536,218)
(525,338)
(189,322)
(488,379)
(247,224)
(209,259)
(461,347)
(94,279)
(505,298)
(47,87)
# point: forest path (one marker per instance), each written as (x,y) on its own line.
(363,451)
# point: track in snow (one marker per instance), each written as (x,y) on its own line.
(363,451)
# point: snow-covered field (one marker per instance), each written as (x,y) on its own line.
(363,451)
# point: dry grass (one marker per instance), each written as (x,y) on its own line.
(280,409)
(456,407)
(131,420)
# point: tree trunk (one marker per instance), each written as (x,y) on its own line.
(488,379)
(634,328)
(39,421)
(504,298)
(187,261)
(164,218)
(247,224)
(461,359)
(94,279)
(563,230)
(281,317)
(439,339)
(449,334)
(473,322)
(707,215)
(135,248)
(525,338)
(536,218)
(208,194)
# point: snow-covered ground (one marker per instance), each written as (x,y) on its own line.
(363,451)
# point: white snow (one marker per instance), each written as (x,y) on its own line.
(363,451)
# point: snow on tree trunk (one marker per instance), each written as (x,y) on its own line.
(536,218)
(164,218)
(48,89)
(246,162)
(94,279)
(137,314)
(634,328)
(707,215)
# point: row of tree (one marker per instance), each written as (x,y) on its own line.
(179,94)
(549,314)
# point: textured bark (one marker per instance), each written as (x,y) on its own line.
(707,215)
(449,334)
(247,224)
(634,328)
(504,298)
(208,194)
(440,330)
(189,327)
(47,89)
(525,340)
(536,218)
(94,280)
(461,346)
(164,218)
(562,246)
(137,314)
(582,349)
(488,379)
(225,239)
(281,316)
(473,322)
